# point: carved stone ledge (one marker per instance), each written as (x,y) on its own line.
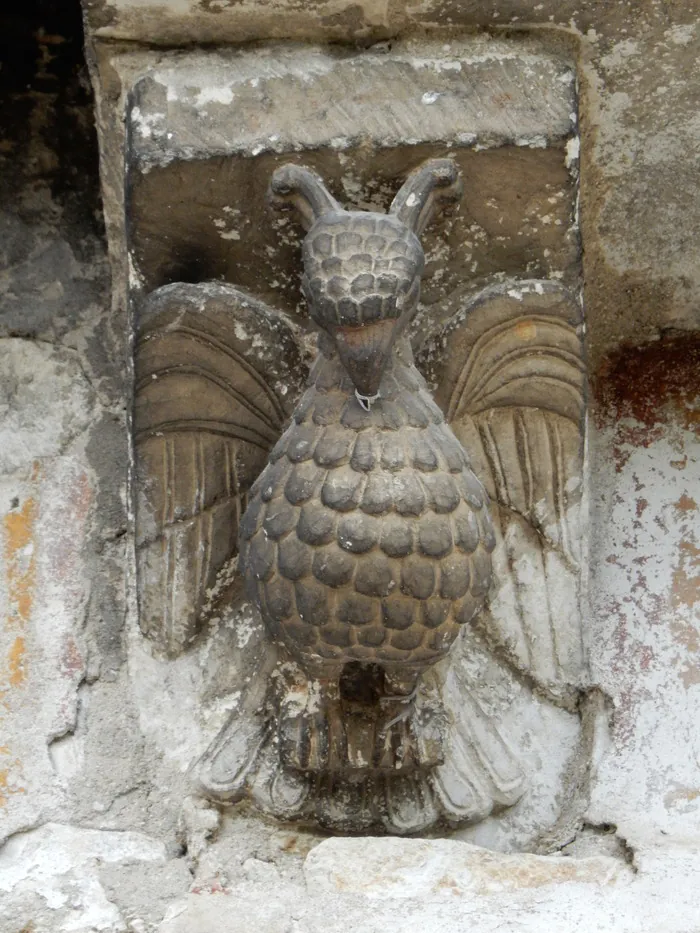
(220,123)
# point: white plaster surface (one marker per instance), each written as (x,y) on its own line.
(643,636)
(45,485)
(60,865)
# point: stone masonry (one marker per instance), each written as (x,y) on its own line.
(101,827)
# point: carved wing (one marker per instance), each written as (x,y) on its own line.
(509,374)
(216,375)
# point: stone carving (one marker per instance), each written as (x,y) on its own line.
(365,538)
(513,389)
(213,369)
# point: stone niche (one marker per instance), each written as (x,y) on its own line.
(498,336)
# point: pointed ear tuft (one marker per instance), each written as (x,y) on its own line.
(294,186)
(432,186)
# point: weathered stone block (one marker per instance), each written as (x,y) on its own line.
(430,868)
(219,124)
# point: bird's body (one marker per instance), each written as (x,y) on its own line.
(367,537)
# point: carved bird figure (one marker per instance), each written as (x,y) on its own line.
(346,499)
(367,537)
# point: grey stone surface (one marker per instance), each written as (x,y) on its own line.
(46,402)
(183,108)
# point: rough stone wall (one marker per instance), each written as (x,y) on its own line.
(97,838)
(72,784)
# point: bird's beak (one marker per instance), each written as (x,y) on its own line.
(364,351)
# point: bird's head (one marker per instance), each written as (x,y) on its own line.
(362,269)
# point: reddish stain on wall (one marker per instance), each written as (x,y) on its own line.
(645,390)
